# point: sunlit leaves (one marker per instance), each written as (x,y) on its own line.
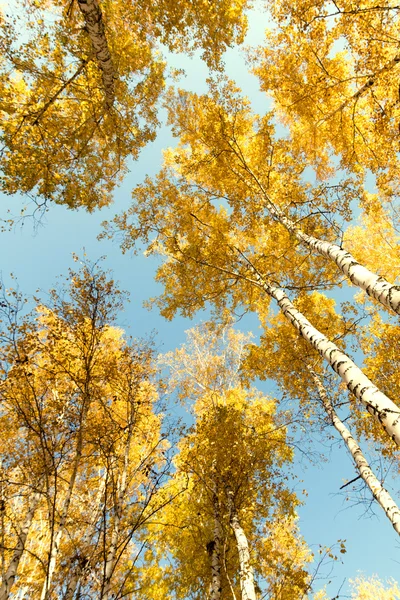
(79,402)
(236,446)
(333,73)
(62,140)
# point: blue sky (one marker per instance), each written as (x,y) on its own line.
(36,258)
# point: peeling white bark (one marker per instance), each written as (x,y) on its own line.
(380,494)
(95,27)
(246,570)
(376,402)
(375,286)
(12,569)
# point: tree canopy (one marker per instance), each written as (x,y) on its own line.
(291,216)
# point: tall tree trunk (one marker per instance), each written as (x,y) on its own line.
(82,568)
(55,546)
(95,27)
(12,569)
(246,571)
(121,492)
(375,401)
(381,495)
(215,553)
(375,286)
(112,551)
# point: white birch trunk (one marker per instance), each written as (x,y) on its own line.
(246,570)
(79,571)
(12,569)
(216,588)
(21,592)
(64,513)
(375,401)
(381,495)
(375,286)
(121,492)
(74,583)
(95,26)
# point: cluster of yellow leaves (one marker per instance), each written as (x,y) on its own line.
(60,139)
(207,364)
(257,452)
(227,416)
(283,561)
(332,71)
(209,207)
(375,242)
(79,404)
(370,588)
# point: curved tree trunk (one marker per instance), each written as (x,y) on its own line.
(246,570)
(95,26)
(381,495)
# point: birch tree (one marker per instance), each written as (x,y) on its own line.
(81,401)
(379,493)
(378,339)
(284,359)
(222,529)
(235,147)
(81,83)
(246,255)
(339,98)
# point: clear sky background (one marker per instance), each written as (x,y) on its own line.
(37,257)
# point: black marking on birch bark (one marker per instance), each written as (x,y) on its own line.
(96,30)
(352,276)
(365,389)
(347,368)
(339,364)
(330,353)
(350,386)
(394,306)
(373,410)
